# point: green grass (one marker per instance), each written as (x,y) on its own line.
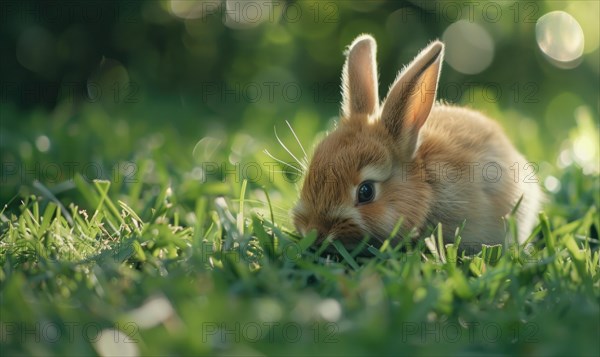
(223,275)
(183,263)
(145,247)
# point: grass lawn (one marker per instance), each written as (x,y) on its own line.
(157,261)
(141,216)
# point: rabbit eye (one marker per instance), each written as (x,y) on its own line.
(366,192)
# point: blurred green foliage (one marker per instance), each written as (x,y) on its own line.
(103,81)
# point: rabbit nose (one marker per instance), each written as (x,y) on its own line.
(321,233)
(323,230)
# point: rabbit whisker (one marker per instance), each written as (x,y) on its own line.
(288,150)
(305,160)
(282,162)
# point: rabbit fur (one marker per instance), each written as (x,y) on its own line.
(427,163)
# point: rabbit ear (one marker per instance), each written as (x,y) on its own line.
(411,97)
(359,78)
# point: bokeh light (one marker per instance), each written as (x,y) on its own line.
(42,143)
(113,342)
(552,184)
(586,141)
(190,9)
(153,312)
(469,47)
(560,38)
(330,310)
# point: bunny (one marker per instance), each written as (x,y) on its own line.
(411,160)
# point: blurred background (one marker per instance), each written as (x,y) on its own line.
(142,93)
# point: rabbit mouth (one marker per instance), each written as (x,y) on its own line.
(350,243)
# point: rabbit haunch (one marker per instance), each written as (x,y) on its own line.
(393,147)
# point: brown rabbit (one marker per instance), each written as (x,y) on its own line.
(413,160)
